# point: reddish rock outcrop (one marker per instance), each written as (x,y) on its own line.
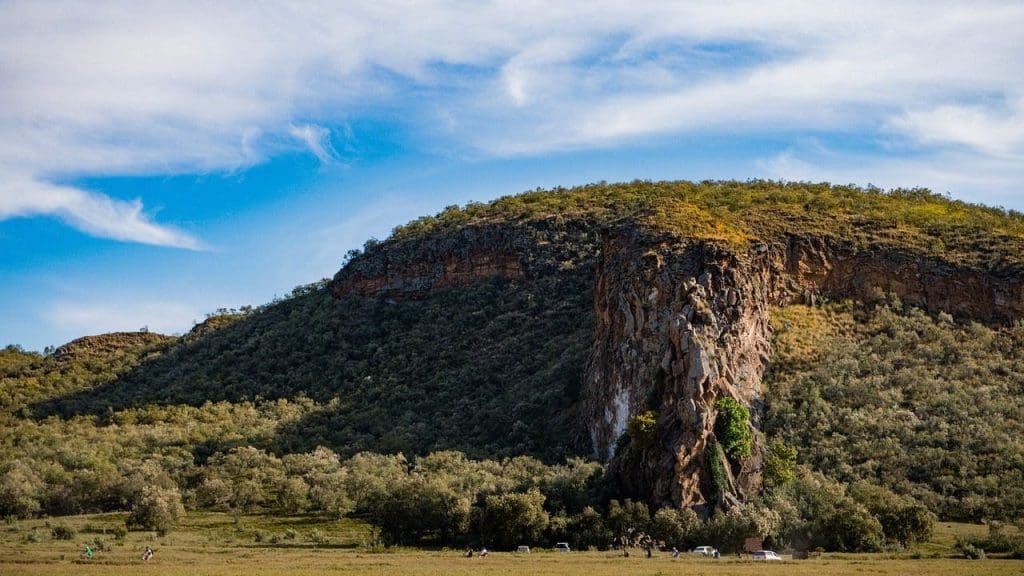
(512,251)
(818,267)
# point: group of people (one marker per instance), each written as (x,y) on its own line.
(469,552)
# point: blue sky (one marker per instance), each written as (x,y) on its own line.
(159,162)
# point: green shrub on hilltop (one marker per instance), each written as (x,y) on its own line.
(737,212)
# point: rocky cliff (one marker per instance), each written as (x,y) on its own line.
(418,267)
(680,322)
(679,325)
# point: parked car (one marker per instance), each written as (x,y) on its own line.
(765,555)
(523,550)
(704,550)
(562,546)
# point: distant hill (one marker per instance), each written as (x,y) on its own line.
(608,321)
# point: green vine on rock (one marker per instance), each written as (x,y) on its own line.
(732,428)
(716,470)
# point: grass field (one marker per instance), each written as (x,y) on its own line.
(217,544)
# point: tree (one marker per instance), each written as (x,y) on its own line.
(903,519)
(568,488)
(825,516)
(675,527)
(329,494)
(779,464)
(20,489)
(643,430)
(293,495)
(156,508)
(513,518)
(588,529)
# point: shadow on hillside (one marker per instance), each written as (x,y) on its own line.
(255,357)
(492,369)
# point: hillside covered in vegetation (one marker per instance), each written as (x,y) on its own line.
(489,330)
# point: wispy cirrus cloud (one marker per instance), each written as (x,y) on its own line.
(316,139)
(90,212)
(118,88)
(992,130)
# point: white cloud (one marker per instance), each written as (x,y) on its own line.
(127,88)
(90,212)
(994,181)
(999,133)
(317,139)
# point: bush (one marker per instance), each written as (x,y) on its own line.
(317,537)
(63,532)
(732,428)
(815,511)
(904,520)
(643,430)
(779,464)
(970,551)
(713,459)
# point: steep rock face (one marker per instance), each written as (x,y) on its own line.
(513,251)
(678,327)
(679,323)
(815,266)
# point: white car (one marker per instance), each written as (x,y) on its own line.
(562,546)
(704,550)
(765,555)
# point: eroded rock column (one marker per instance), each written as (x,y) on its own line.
(678,326)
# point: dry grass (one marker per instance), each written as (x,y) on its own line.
(283,561)
(215,545)
(800,331)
